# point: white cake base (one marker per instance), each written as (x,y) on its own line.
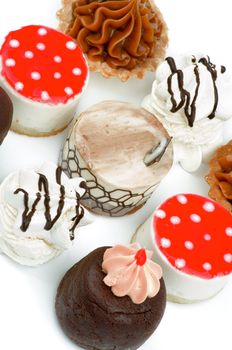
(181,287)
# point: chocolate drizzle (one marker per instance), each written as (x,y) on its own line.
(157,152)
(43,187)
(28,214)
(212,70)
(79,215)
(185,96)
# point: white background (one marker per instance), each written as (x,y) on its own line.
(27,318)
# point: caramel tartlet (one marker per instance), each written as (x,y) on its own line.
(120,38)
(220,176)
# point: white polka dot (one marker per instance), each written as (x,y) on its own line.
(189,245)
(207,237)
(165,242)
(175,220)
(195,218)
(57,75)
(41,46)
(229,231)
(29,54)
(71,45)
(207,266)
(35,75)
(57,59)
(19,86)
(209,207)
(228,258)
(180,263)
(42,31)
(10,62)
(76,71)
(45,96)
(160,214)
(14,43)
(182,199)
(68,91)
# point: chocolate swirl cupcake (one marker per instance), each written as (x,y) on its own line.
(120,38)
(114,298)
(220,176)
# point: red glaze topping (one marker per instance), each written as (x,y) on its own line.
(43,64)
(141,257)
(195,235)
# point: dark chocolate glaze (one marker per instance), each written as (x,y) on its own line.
(160,155)
(185,97)
(28,214)
(6,114)
(79,211)
(43,192)
(94,318)
(223,69)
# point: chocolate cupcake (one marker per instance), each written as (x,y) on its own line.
(6,113)
(123,317)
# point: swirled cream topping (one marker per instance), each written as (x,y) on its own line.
(191,96)
(121,33)
(39,213)
(188,89)
(130,271)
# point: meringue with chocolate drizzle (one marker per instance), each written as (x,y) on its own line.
(39,213)
(191,97)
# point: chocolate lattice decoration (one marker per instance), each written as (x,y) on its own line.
(97,198)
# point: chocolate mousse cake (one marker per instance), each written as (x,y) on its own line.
(6,113)
(122,317)
(122,151)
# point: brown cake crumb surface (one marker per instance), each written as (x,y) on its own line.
(220,176)
(94,318)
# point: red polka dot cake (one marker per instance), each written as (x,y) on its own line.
(192,240)
(44,72)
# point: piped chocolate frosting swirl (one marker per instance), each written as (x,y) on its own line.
(120,33)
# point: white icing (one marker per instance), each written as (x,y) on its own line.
(181,287)
(175,220)
(182,199)
(195,218)
(160,213)
(189,245)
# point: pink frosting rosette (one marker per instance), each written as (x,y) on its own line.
(130,271)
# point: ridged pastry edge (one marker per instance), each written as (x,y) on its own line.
(64,16)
